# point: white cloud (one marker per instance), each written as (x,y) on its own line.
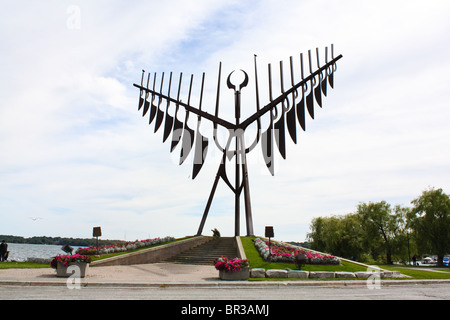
(75,151)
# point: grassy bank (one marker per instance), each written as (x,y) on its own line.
(256,261)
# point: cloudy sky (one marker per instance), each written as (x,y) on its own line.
(75,152)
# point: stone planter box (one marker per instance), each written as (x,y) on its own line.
(390,274)
(258,273)
(243,274)
(321,275)
(275,273)
(344,274)
(71,269)
(366,275)
(299,274)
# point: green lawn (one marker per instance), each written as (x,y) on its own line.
(420,272)
(23,265)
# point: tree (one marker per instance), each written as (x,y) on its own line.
(403,246)
(431,222)
(350,236)
(316,237)
(380,226)
(339,235)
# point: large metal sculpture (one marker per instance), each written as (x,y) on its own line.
(283,111)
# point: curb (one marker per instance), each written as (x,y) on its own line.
(235,284)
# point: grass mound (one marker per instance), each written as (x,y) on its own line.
(256,261)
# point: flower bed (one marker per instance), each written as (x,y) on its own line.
(233,265)
(287,253)
(65,259)
(122,247)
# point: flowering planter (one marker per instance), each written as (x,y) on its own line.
(73,268)
(232,269)
(68,265)
(242,274)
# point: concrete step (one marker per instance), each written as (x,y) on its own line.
(207,253)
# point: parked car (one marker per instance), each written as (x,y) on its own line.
(427,260)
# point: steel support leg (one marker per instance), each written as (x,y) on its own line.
(248,207)
(237,193)
(208,204)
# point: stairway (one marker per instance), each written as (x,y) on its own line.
(207,253)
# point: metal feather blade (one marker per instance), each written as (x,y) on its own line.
(188,133)
(153,108)
(291,123)
(201,149)
(141,92)
(169,119)
(280,135)
(318,93)
(146,102)
(188,141)
(176,133)
(324,84)
(159,112)
(201,142)
(301,113)
(291,114)
(310,102)
(267,149)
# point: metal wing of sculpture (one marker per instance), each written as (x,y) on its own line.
(284,111)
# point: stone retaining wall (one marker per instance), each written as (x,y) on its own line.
(287,273)
(153,254)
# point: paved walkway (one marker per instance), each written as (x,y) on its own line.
(156,273)
(161,275)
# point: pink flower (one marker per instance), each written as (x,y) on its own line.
(66,259)
(233,265)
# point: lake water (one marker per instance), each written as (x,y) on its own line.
(23,251)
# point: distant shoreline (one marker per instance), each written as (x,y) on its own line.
(83,242)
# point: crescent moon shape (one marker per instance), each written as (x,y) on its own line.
(243,83)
